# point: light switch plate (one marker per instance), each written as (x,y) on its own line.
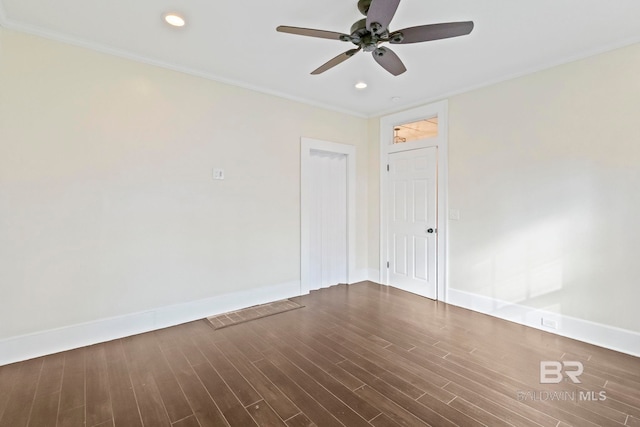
(218,174)
(454,214)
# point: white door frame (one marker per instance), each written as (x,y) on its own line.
(306,145)
(387,124)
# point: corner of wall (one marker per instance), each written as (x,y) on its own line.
(3,16)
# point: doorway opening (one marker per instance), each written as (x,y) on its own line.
(327,208)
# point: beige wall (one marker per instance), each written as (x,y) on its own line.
(545,170)
(107,205)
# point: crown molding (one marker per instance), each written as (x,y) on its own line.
(8,23)
(512,76)
(124,54)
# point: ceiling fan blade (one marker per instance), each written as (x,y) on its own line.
(389,61)
(312,33)
(425,33)
(335,61)
(381,12)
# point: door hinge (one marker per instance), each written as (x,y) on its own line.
(387,168)
(387,264)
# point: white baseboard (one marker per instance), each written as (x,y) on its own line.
(38,344)
(610,337)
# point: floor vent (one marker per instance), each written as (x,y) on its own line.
(256,312)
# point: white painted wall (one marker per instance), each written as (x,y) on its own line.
(545,170)
(107,203)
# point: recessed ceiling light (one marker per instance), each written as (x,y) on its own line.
(395,99)
(361,85)
(174,19)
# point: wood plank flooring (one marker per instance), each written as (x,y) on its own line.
(359,355)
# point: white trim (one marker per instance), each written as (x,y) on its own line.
(610,337)
(59,37)
(511,76)
(121,53)
(387,124)
(306,145)
(26,347)
(75,41)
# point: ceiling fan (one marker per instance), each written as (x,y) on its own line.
(367,34)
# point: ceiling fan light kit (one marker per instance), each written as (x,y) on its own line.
(368,33)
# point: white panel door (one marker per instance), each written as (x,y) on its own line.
(412,218)
(328,219)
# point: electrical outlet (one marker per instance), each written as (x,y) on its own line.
(549,323)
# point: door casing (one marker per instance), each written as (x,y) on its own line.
(387,124)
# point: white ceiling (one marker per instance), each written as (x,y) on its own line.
(236,42)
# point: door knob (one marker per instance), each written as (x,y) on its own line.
(431,230)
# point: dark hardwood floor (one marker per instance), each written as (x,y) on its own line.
(359,355)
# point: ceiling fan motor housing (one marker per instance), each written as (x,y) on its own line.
(364,38)
(359,28)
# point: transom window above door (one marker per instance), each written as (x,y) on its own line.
(421,129)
